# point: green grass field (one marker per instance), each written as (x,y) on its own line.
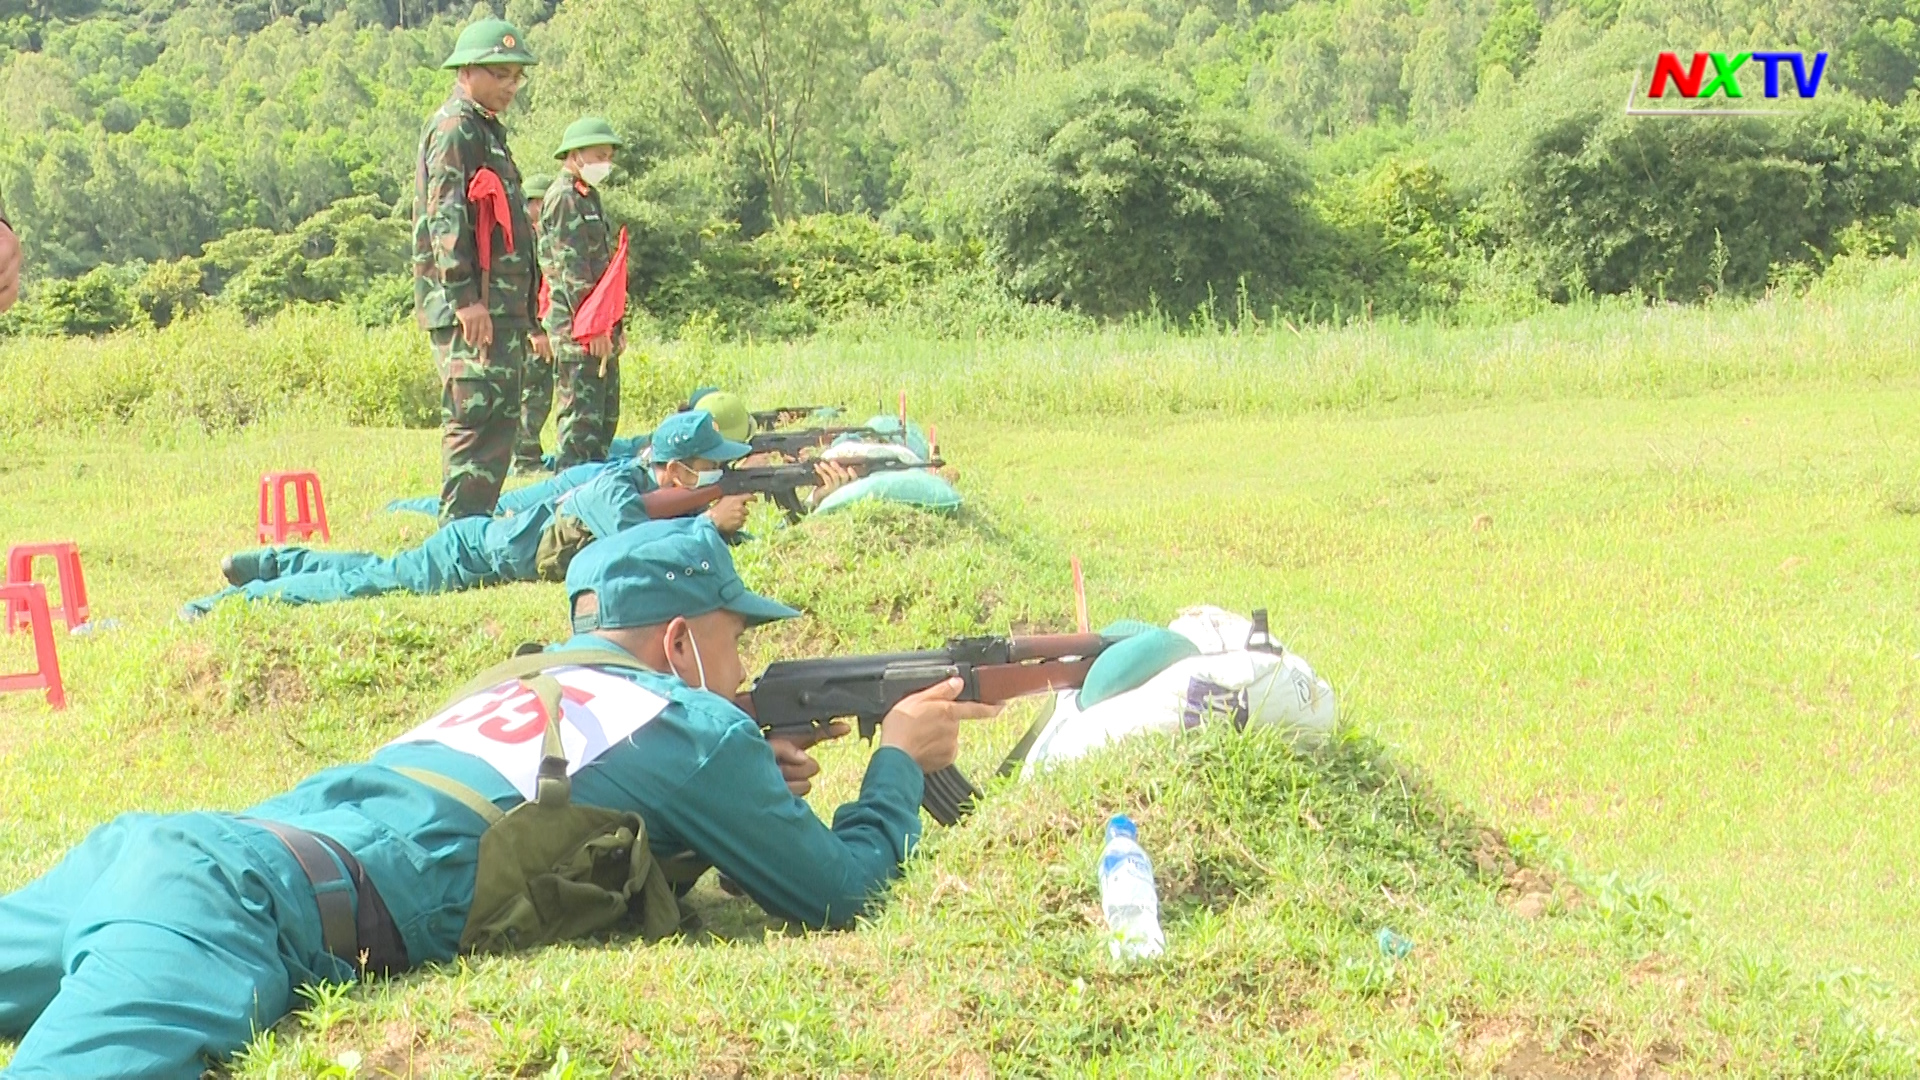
(1632,589)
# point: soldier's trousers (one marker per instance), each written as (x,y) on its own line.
(156,945)
(536,401)
(589,404)
(479,416)
(465,554)
(519,500)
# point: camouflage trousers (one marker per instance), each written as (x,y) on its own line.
(479,415)
(536,401)
(589,404)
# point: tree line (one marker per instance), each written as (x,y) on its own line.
(972,163)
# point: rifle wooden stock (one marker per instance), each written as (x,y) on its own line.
(1001,683)
(678,502)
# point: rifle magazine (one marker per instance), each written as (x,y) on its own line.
(949,795)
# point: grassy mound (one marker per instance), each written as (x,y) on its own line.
(1277,872)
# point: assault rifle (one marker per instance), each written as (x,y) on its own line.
(786,414)
(795,697)
(781,483)
(791,443)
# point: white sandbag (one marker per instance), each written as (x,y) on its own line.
(1227,685)
(871,451)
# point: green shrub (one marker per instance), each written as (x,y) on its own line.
(98,302)
(1108,190)
(1611,205)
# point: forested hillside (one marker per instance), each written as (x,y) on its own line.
(966,165)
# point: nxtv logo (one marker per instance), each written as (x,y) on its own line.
(1692,81)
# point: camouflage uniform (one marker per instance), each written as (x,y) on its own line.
(536,379)
(479,391)
(576,244)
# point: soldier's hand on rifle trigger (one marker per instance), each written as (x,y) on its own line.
(729,515)
(476,325)
(797,767)
(601,347)
(833,476)
(542,346)
(927,725)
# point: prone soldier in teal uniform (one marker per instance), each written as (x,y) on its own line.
(162,943)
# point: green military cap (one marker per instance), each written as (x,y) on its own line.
(490,41)
(652,573)
(729,411)
(687,435)
(1126,665)
(537,185)
(587,131)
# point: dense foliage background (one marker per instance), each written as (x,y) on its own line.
(966,166)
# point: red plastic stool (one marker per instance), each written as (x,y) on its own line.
(73,587)
(312,509)
(32,596)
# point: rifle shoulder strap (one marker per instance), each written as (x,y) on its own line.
(525,667)
(529,668)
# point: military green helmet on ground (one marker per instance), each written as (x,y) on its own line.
(587,131)
(490,41)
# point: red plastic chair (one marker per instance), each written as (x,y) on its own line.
(32,596)
(73,586)
(310,509)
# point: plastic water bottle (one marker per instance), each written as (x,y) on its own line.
(1127,894)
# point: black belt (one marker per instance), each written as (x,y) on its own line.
(364,936)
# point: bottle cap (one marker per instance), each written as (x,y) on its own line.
(1122,825)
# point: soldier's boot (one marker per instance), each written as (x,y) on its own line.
(242,567)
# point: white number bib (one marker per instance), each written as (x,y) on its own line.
(503,726)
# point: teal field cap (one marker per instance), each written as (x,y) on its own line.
(693,399)
(1128,664)
(653,573)
(1126,628)
(687,435)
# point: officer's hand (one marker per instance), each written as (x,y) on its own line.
(833,476)
(542,346)
(927,724)
(9,268)
(729,515)
(601,347)
(476,325)
(797,767)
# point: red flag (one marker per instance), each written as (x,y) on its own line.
(545,302)
(489,200)
(606,305)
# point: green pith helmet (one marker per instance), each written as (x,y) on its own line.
(587,131)
(729,412)
(490,41)
(537,185)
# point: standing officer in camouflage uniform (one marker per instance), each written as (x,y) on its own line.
(481,322)
(536,378)
(576,244)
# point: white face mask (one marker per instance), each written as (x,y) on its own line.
(706,477)
(596,173)
(698,665)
